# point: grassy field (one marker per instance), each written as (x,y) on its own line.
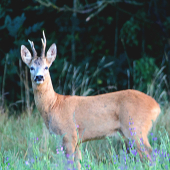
(27,144)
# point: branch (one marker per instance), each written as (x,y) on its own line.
(131,14)
(87,8)
(47,3)
(126,2)
(103,4)
(98,6)
(95,13)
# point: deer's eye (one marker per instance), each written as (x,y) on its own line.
(32,68)
(46,68)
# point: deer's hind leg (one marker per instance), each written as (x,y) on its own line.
(143,146)
(138,136)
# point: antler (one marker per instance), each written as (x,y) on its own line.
(33,49)
(43,45)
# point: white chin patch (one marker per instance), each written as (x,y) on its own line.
(39,82)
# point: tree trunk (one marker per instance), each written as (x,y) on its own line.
(143,39)
(3,84)
(116,34)
(73,44)
(27,93)
(21,84)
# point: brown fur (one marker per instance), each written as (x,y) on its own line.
(96,116)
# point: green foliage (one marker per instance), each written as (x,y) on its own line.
(143,71)
(14,25)
(2,12)
(167,23)
(36,27)
(130,31)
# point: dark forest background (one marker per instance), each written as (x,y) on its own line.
(103,46)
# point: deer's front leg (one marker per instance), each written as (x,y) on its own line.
(70,143)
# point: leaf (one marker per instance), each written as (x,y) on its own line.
(36,27)
(14,25)
(7,20)
(2,12)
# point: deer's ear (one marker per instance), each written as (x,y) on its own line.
(26,55)
(51,54)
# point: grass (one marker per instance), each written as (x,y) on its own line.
(27,144)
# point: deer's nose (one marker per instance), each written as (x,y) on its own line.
(39,78)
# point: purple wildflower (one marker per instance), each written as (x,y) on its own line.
(130,123)
(26,162)
(141,140)
(154,139)
(32,160)
(155,151)
(70,162)
(131,143)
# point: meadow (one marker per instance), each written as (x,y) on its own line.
(27,144)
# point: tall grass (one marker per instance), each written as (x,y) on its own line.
(79,81)
(25,143)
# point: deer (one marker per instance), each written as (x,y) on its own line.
(93,117)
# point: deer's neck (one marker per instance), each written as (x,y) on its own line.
(45,96)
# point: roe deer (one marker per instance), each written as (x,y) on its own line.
(96,116)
